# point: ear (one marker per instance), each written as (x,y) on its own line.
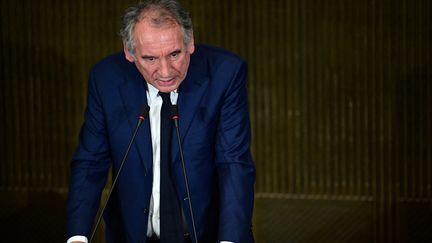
(191,45)
(129,56)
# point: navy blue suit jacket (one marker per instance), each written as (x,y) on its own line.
(215,134)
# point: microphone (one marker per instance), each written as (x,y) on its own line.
(143,114)
(175,118)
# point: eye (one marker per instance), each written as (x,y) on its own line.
(149,59)
(175,54)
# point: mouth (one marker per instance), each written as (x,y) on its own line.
(166,82)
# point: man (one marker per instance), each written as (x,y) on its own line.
(160,64)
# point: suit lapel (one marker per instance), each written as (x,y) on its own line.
(134,98)
(191,92)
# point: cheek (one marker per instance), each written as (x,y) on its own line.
(182,66)
(145,71)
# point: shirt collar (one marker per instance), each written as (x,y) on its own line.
(154,92)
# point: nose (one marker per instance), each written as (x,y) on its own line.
(164,68)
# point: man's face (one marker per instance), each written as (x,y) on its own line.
(161,55)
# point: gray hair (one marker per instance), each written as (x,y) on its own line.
(168,10)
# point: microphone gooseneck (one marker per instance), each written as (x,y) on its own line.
(142,116)
(175,118)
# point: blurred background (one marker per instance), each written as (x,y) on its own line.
(340,100)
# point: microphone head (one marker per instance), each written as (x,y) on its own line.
(144,112)
(174,112)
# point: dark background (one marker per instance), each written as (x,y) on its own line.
(340,100)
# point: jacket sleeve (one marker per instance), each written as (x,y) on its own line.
(89,166)
(236,169)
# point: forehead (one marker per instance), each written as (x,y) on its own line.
(154,37)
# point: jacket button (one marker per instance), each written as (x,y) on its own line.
(145,210)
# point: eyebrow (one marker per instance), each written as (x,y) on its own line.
(146,57)
(178,51)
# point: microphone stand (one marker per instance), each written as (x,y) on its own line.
(175,118)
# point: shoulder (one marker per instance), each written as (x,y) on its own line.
(114,70)
(215,56)
(112,63)
(214,61)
